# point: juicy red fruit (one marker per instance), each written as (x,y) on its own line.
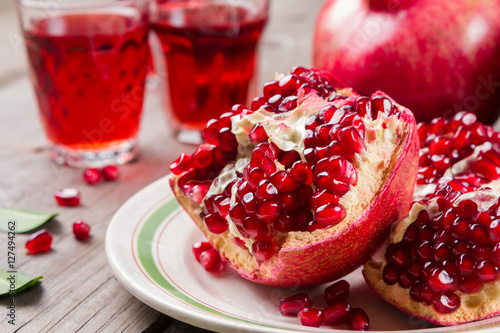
(292,305)
(67,197)
(110,172)
(311,317)
(81,229)
(40,241)
(211,260)
(199,248)
(92,176)
(358,320)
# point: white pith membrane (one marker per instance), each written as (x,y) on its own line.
(473,306)
(287,131)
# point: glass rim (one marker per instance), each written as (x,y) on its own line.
(82,4)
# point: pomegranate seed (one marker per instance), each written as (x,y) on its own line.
(469,285)
(81,229)
(227,140)
(283,181)
(351,140)
(390,274)
(266,190)
(67,197)
(487,169)
(237,213)
(326,113)
(271,88)
(337,313)
(200,247)
(181,164)
(216,223)
(339,291)
(311,317)
(323,197)
(329,214)
(267,210)
(289,157)
(358,320)
(487,271)
(284,223)
(258,134)
(441,281)
(302,172)
(254,228)
(40,241)
(292,305)
(289,103)
(202,157)
(211,260)
(92,176)
(211,132)
(110,172)
(249,202)
(446,303)
(263,249)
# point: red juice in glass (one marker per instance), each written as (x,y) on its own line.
(88,71)
(210,56)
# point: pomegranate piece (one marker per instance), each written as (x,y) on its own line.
(311,317)
(40,241)
(110,173)
(67,197)
(292,305)
(443,254)
(92,176)
(294,166)
(337,313)
(81,230)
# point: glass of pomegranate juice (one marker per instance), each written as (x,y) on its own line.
(209,57)
(88,63)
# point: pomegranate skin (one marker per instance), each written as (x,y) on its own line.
(334,252)
(435,67)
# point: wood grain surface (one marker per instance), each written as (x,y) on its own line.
(79,292)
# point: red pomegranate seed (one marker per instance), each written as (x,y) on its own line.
(323,197)
(288,201)
(271,88)
(215,223)
(358,320)
(200,247)
(390,274)
(237,213)
(292,305)
(258,134)
(267,210)
(266,190)
(339,291)
(110,172)
(487,169)
(487,271)
(181,164)
(289,157)
(249,202)
(329,214)
(289,84)
(211,260)
(311,317)
(202,157)
(326,113)
(284,223)
(40,241)
(263,249)
(227,140)
(364,106)
(302,172)
(81,229)
(283,181)
(441,281)
(337,313)
(67,197)
(351,140)
(446,303)
(92,176)
(289,103)
(255,228)
(211,132)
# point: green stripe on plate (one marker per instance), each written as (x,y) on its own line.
(145,254)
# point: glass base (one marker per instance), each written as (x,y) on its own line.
(189,136)
(81,158)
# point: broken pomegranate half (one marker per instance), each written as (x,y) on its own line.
(443,260)
(301,187)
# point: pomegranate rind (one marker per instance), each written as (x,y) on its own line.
(473,306)
(324,255)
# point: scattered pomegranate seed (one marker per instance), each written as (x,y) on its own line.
(292,305)
(358,320)
(92,176)
(336,313)
(200,247)
(311,317)
(40,241)
(211,260)
(81,229)
(339,291)
(110,172)
(67,197)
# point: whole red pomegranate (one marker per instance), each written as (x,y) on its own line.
(301,187)
(435,57)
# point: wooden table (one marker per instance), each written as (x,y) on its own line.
(79,292)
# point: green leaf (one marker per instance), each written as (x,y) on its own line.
(24,220)
(20,280)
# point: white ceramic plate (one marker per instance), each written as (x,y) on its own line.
(148,244)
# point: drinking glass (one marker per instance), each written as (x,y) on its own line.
(210,57)
(88,62)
